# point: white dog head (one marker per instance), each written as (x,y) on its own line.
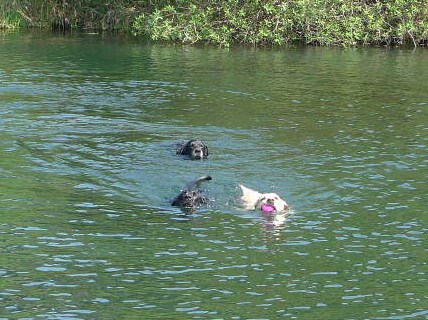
(266,202)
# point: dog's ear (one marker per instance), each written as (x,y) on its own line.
(250,192)
(249,197)
(206,152)
(182,148)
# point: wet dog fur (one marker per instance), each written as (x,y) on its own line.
(191,197)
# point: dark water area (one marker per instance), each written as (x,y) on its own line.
(89,127)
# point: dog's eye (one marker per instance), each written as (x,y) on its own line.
(263,198)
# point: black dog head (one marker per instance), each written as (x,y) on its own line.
(191,197)
(195,149)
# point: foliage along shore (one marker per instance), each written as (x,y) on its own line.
(225,22)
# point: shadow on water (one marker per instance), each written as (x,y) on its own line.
(89,130)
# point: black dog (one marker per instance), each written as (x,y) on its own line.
(195,149)
(191,197)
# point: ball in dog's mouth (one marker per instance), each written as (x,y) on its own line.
(268,208)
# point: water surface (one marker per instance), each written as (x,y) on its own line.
(89,125)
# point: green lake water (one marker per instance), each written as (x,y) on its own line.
(88,130)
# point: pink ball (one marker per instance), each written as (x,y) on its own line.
(267,208)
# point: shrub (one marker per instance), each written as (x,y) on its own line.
(224,22)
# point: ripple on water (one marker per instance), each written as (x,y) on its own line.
(88,227)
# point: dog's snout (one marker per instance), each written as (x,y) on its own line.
(198,154)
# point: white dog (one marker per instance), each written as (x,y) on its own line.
(266,202)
